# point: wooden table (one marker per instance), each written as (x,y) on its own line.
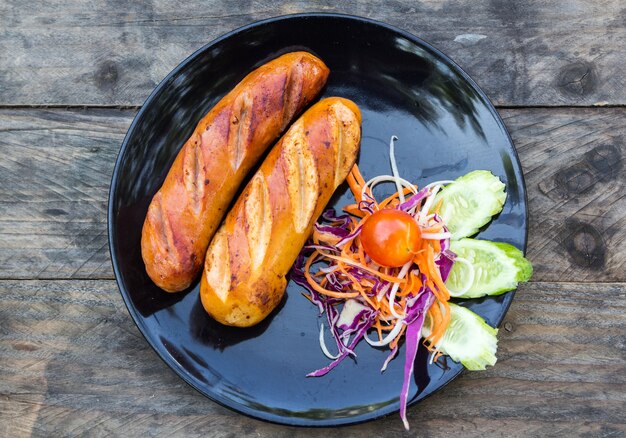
(72,76)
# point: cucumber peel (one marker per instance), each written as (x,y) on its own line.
(470,202)
(498,268)
(468,339)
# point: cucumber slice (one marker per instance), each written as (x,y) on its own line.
(498,268)
(470,202)
(468,339)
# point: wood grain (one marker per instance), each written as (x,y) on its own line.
(573,163)
(57,166)
(72,360)
(54,177)
(114,53)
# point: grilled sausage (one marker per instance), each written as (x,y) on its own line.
(207,172)
(245,266)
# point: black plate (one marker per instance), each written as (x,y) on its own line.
(446,127)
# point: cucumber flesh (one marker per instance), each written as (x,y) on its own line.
(498,268)
(468,339)
(470,202)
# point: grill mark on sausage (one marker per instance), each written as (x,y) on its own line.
(291,94)
(301,175)
(162,226)
(347,132)
(339,154)
(198,182)
(239,129)
(194,174)
(238,155)
(259,220)
(217,265)
(301,179)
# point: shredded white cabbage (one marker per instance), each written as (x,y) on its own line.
(388,178)
(387,339)
(394,290)
(436,236)
(323,345)
(394,168)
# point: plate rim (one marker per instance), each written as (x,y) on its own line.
(174,365)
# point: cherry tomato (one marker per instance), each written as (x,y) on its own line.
(390,237)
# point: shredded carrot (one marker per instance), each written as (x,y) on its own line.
(361,253)
(358,286)
(319,288)
(356,173)
(353,209)
(356,183)
(365,268)
(354,187)
(393,344)
(438,206)
(395,197)
(435,229)
(379,329)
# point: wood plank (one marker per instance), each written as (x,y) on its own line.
(73,362)
(573,163)
(54,180)
(57,164)
(113,53)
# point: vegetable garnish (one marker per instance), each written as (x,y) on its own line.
(379,272)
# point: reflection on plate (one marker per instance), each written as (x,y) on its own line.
(446,127)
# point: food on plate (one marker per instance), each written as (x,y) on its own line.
(470,203)
(490,268)
(246,265)
(186,211)
(386,270)
(468,339)
(391,237)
